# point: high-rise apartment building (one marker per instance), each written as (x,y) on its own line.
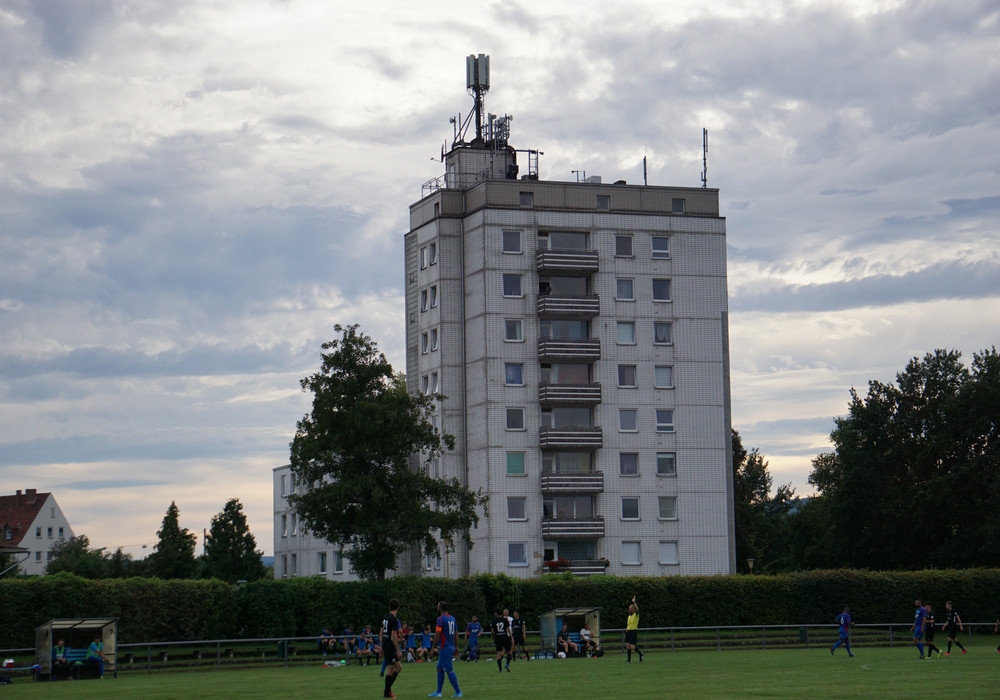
(579,332)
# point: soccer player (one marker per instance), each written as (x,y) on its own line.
(929,632)
(472,631)
(518,631)
(389,640)
(445,632)
(632,632)
(844,620)
(917,628)
(953,626)
(501,639)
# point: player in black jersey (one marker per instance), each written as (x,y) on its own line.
(929,632)
(952,627)
(518,631)
(500,628)
(389,640)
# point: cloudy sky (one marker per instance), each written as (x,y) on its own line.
(193,193)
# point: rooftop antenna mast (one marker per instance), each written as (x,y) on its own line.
(704,157)
(477,81)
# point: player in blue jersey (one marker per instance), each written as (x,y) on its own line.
(472,632)
(844,632)
(919,616)
(445,635)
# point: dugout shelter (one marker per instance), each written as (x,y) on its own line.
(551,622)
(76,633)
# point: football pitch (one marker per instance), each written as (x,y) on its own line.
(872,673)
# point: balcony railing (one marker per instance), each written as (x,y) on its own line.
(569,394)
(572,482)
(584,349)
(585,261)
(572,528)
(580,567)
(587,305)
(570,437)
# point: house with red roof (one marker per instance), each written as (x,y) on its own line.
(34,521)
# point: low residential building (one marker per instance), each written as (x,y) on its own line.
(34,521)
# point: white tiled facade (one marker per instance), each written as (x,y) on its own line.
(462,333)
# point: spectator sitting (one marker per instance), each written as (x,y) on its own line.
(587,640)
(427,641)
(411,647)
(363,646)
(59,662)
(96,656)
(325,642)
(567,645)
(349,642)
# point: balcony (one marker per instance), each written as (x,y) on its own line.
(578,567)
(572,482)
(574,261)
(566,305)
(569,394)
(579,349)
(572,528)
(570,437)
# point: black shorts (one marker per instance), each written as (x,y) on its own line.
(632,637)
(389,653)
(929,634)
(519,639)
(502,643)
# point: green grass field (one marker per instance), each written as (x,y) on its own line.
(873,673)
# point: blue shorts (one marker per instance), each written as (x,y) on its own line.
(918,634)
(444,659)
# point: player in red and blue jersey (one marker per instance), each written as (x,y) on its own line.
(445,634)
(844,621)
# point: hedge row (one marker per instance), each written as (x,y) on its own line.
(154,610)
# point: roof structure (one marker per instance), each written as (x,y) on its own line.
(18,512)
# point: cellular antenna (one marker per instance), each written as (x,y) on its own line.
(477,82)
(704,157)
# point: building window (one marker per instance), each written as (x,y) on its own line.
(678,205)
(666,464)
(515,419)
(661,246)
(435,387)
(623,246)
(624,290)
(424,343)
(626,376)
(631,554)
(663,333)
(321,563)
(563,507)
(512,285)
(434,339)
(50,555)
(432,254)
(627,420)
(38,531)
(513,330)
(284,526)
(437,209)
(61,533)
(338,562)
(668,508)
(423,300)
(295,564)
(513,374)
(663,377)
(626,333)
(38,556)
(512,241)
(517,553)
(425,384)
(630,508)
(434,296)
(664,421)
(283,486)
(564,328)
(628,463)
(48,532)
(295,525)
(562,240)
(668,553)
(515,464)
(515,508)
(661,290)
(423,258)
(603,202)
(527,199)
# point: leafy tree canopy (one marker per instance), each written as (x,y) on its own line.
(76,557)
(355,455)
(231,550)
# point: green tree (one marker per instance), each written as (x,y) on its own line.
(356,453)
(913,479)
(173,555)
(231,550)
(761,518)
(76,557)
